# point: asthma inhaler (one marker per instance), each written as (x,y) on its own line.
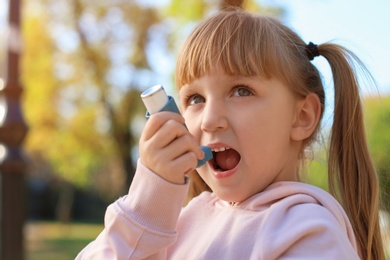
(156,100)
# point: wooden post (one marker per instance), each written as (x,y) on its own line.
(12,132)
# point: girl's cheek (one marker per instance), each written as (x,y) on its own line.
(192,126)
(192,129)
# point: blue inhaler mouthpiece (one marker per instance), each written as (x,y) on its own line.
(156,100)
(208,155)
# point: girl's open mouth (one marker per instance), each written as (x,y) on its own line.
(225,159)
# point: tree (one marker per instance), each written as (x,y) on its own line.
(135,21)
(80,117)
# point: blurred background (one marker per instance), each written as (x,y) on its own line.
(70,114)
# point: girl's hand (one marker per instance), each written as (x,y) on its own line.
(167,148)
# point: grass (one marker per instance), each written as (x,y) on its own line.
(52,240)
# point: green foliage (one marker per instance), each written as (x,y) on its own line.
(377,118)
(78,152)
(79,118)
(315,171)
(68,144)
(194,10)
(187,11)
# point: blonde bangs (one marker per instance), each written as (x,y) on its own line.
(238,44)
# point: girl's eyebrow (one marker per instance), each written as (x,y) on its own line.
(189,87)
(185,88)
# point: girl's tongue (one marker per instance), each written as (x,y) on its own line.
(226,160)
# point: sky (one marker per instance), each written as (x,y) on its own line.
(360,25)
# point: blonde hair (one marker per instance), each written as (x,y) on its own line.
(249,45)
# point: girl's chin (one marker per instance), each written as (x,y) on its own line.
(230,195)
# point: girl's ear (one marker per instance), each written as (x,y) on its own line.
(308,116)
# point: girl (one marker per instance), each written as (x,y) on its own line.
(248,91)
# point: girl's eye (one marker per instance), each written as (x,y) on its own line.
(195,99)
(242,91)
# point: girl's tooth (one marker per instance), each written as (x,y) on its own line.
(220,149)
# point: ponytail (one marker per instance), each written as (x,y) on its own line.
(352,176)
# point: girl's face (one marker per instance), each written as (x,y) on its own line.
(247,122)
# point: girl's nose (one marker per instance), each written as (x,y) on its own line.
(214,117)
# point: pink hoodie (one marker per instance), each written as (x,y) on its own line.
(287,220)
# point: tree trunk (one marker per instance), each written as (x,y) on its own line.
(65,202)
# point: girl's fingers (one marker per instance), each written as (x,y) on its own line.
(156,121)
(183,145)
(169,132)
(183,165)
(154,153)
(167,127)
(172,170)
(167,148)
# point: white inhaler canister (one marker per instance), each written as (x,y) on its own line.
(155,100)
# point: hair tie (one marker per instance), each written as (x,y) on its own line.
(312,51)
